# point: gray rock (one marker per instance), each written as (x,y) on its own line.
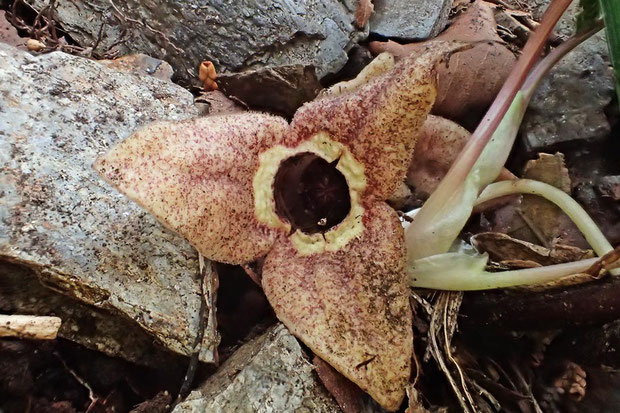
(568,107)
(58,218)
(23,292)
(409,20)
(279,89)
(234,35)
(267,375)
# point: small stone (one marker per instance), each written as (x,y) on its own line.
(568,107)
(279,90)
(609,187)
(268,374)
(409,20)
(57,114)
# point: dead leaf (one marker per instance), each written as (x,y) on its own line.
(471,81)
(346,393)
(546,223)
(401,198)
(502,248)
(207,75)
(363,12)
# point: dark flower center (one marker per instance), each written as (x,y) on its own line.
(310,193)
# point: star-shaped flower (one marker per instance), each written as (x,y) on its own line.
(310,196)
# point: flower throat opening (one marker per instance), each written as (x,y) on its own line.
(310,193)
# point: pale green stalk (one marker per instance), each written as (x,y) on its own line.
(455,271)
(576,213)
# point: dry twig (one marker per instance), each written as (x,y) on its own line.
(29,326)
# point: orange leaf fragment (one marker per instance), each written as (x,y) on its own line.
(363,12)
(207,75)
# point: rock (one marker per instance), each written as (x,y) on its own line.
(267,375)
(609,187)
(274,89)
(58,218)
(409,20)
(141,64)
(603,210)
(21,291)
(8,33)
(568,107)
(359,58)
(234,35)
(215,102)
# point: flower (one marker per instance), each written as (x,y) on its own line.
(310,196)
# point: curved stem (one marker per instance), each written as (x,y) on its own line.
(498,109)
(542,68)
(577,214)
(461,280)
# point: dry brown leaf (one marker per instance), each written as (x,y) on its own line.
(546,223)
(363,12)
(473,78)
(347,394)
(207,75)
(502,248)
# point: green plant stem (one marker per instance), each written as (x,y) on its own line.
(577,214)
(456,278)
(611,14)
(445,212)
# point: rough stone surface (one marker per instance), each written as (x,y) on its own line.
(8,33)
(267,375)
(569,105)
(409,20)
(279,89)
(57,217)
(234,35)
(23,292)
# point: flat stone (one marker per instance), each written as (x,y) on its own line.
(277,89)
(409,20)
(568,107)
(234,35)
(269,374)
(59,219)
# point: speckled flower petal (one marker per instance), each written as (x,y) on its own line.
(378,121)
(351,306)
(196,178)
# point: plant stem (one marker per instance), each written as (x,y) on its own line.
(611,14)
(544,66)
(444,214)
(440,276)
(586,225)
(498,109)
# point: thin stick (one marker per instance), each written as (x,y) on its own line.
(195,357)
(29,326)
